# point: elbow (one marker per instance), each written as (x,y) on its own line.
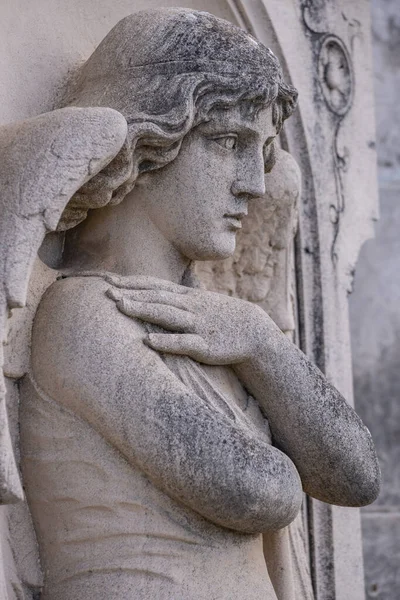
(367,495)
(265,503)
(365,482)
(362,472)
(359,490)
(266,513)
(352,481)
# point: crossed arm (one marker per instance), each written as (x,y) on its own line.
(310,420)
(90,358)
(93,359)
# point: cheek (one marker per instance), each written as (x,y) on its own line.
(197,205)
(190,196)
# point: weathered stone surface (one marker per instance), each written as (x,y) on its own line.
(261,269)
(191,458)
(32,203)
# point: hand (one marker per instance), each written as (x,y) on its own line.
(209,327)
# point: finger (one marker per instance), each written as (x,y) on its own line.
(165,316)
(191,345)
(114,294)
(151,296)
(142,282)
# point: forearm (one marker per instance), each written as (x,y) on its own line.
(311,422)
(194,454)
(202,459)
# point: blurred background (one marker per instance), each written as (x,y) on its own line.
(375,316)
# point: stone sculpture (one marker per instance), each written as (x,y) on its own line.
(164,427)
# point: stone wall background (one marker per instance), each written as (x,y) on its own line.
(375,316)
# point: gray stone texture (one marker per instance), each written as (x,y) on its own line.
(322,136)
(375,317)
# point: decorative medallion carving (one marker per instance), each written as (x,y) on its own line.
(336,74)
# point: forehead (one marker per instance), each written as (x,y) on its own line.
(239,118)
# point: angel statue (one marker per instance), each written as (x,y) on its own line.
(165,429)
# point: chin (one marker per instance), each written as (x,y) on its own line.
(216,249)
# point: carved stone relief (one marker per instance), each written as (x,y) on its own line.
(151,453)
(336,75)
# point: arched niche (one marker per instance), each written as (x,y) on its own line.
(332,141)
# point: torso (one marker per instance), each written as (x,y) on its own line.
(106,532)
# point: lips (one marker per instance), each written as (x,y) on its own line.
(235,219)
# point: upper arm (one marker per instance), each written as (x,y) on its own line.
(91,358)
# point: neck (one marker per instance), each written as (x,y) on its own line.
(122,239)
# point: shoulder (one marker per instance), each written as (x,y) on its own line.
(81,303)
(78,332)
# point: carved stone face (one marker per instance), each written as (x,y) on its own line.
(199,200)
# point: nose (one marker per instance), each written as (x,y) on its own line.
(250,180)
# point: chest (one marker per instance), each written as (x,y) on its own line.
(221,390)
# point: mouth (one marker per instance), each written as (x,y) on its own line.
(235,219)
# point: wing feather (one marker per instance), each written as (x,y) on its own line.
(43,162)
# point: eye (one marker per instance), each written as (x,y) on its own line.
(229,142)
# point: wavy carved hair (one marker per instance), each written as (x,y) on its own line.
(166,70)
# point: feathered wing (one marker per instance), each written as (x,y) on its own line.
(43,162)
